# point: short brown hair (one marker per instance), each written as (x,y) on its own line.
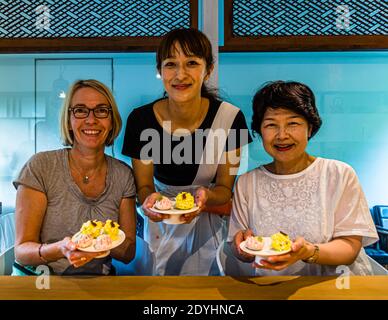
(290,95)
(66,134)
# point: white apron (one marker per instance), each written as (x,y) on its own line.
(190,249)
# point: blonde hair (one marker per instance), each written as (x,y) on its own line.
(66,133)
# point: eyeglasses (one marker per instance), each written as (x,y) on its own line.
(82,112)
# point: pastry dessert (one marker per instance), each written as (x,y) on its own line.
(103,242)
(280,241)
(184,201)
(82,240)
(163,203)
(98,234)
(254,243)
(111,229)
(92,228)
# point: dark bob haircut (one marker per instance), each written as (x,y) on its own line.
(193,43)
(291,95)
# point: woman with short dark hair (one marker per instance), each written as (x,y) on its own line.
(317,202)
(292,95)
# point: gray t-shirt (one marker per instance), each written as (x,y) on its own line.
(68,208)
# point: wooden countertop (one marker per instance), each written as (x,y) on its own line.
(193,288)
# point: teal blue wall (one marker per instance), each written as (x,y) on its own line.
(352,97)
(29,100)
(351,90)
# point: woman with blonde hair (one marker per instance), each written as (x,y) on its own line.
(59,190)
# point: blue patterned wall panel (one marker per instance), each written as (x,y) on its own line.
(91,18)
(310,17)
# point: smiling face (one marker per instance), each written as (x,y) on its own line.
(90,132)
(183,75)
(285,135)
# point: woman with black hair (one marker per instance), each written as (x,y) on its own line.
(317,202)
(189,141)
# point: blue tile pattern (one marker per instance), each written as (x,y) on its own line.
(91,18)
(310,17)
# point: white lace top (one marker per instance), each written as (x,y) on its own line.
(320,203)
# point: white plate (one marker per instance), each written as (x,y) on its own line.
(175,217)
(115,244)
(266,251)
(173,210)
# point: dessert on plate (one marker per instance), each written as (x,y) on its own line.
(83,240)
(111,229)
(280,241)
(254,243)
(184,201)
(103,242)
(98,234)
(92,228)
(163,203)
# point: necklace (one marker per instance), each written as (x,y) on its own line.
(85,178)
